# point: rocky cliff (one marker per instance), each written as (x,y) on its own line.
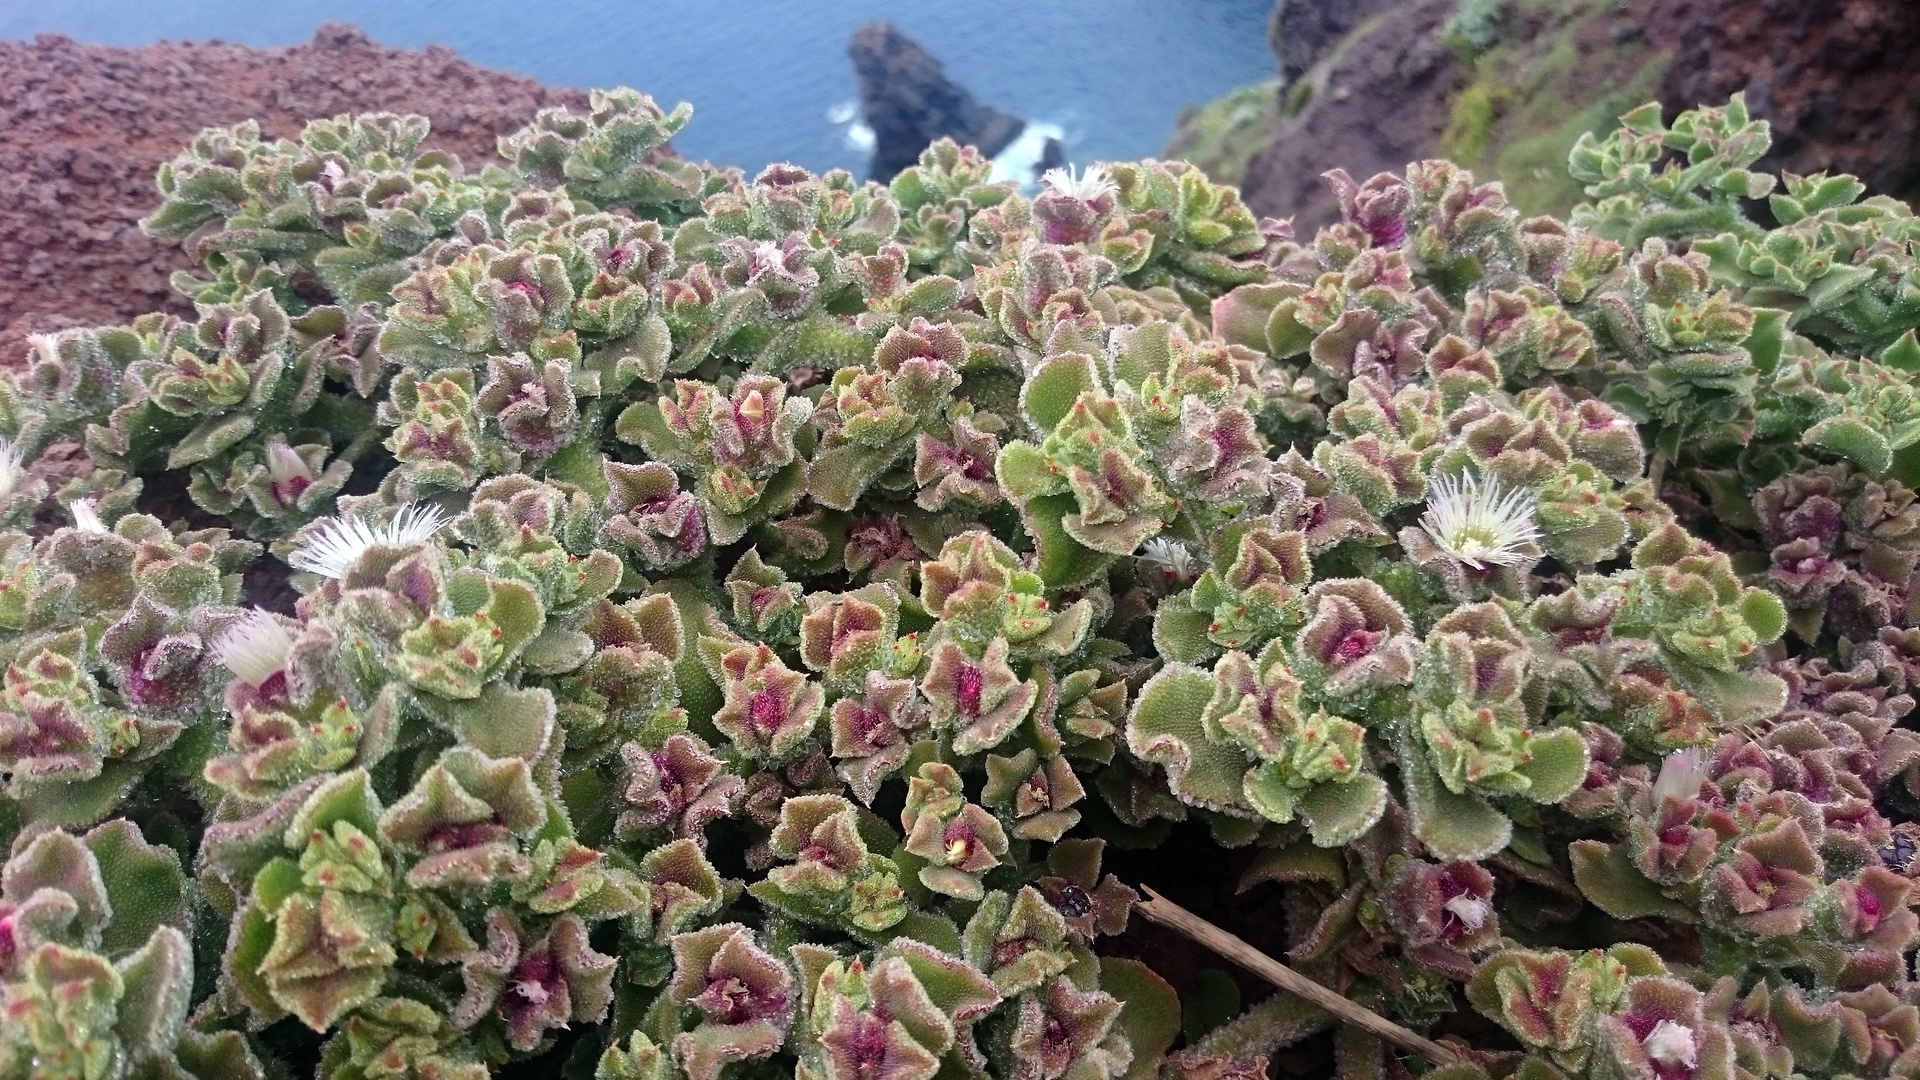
(1506,86)
(1503,85)
(83,127)
(909,102)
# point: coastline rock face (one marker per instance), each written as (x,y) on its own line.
(84,127)
(1374,108)
(909,102)
(1505,87)
(1838,81)
(1302,31)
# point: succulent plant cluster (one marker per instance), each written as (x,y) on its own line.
(735,620)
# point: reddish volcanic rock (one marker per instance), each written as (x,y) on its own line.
(1369,85)
(84,127)
(1836,80)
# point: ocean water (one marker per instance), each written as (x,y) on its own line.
(769,79)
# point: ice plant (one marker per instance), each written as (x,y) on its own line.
(1477,522)
(765,603)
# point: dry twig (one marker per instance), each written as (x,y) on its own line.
(1169,914)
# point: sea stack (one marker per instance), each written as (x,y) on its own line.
(909,102)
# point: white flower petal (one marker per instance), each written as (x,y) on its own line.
(1170,556)
(11,468)
(333,548)
(1672,1045)
(1086,187)
(1478,523)
(285,465)
(1681,775)
(86,515)
(46,347)
(254,648)
(1470,910)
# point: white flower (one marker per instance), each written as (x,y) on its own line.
(333,548)
(10,468)
(285,465)
(46,347)
(1470,910)
(767,258)
(255,648)
(1172,557)
(1672,1045)
(1681,775)
(1477,523)
(289,473)
(86,515)
(1087,187)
